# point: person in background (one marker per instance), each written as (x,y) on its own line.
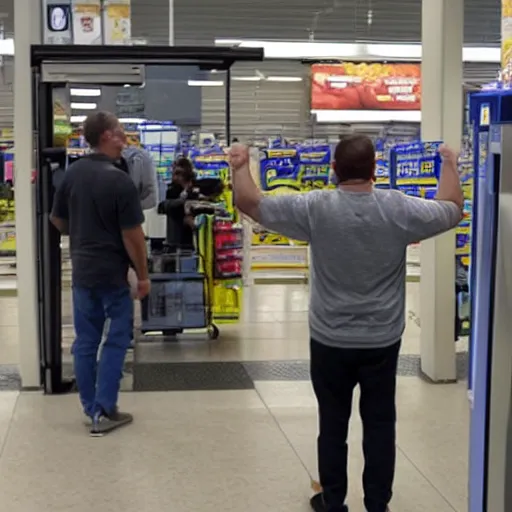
(180,226)
(139,165)
(99,207)
(358,237)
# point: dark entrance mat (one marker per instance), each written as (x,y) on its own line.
(190,376)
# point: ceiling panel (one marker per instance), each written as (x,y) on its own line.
(200,21)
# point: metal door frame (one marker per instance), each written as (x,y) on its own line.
(59,65)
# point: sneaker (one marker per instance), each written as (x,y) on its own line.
(87,420)
(104,423)
(318,504)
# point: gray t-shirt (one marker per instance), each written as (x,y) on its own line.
(358,244)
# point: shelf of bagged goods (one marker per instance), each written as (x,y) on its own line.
(274,272)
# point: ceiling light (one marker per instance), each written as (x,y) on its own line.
(228,42)
(77,119)
(247,78)
(205,83)
(85,92)
(6,46)
(349,51)
(131,120)
(84,106)
(367,116)
(284,79)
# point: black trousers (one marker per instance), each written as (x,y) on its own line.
(335,372)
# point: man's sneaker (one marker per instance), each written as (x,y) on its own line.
(103,423)
(87,420)
(318,505)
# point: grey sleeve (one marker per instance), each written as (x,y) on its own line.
(425,218)
(148,190)
(287,215)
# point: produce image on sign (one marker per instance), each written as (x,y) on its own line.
(366,86)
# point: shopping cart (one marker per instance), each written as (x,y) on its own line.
(180,295)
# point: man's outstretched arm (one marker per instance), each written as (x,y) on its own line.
(246,193)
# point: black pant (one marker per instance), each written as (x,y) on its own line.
(335,372)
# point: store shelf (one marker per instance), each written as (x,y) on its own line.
(274,257)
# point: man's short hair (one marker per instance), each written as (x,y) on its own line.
(96,125)
(354,158)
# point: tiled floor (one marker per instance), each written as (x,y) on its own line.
(251,449)
(210,451)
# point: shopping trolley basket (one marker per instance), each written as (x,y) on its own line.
(179,297)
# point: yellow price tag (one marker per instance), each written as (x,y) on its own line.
(426,168)
(485,115)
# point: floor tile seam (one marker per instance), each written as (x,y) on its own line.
(283,433)
(9,426)
(434,487)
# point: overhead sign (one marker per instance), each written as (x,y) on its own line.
(366,86)
(57,22)
(87,22)
(117,21)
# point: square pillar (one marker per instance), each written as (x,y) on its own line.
(441,111)
(27,31)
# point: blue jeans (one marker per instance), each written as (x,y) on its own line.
(98,381)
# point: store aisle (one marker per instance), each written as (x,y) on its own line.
(249,450)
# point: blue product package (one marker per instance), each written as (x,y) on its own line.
(314,164)
(279,168)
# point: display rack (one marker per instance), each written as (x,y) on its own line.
(414,170)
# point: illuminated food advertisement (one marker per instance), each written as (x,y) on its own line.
(366,86)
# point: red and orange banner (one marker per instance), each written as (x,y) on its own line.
(366,86)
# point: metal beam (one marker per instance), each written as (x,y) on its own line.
(183,55)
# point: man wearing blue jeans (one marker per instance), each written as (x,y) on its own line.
(99,207)
(358,237)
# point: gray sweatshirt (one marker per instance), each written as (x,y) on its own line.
(143,173)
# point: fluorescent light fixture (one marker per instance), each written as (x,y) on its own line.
(284,79)
(367,116)
(492,55)
(228,42)
(131,120)
(349,51)
(205,83)
(84,106)
(6,46)
(247,78)
(85,93)
(124,120)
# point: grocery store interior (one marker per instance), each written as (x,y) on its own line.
(225,415)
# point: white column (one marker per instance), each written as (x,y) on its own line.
(27,30)
(442,104)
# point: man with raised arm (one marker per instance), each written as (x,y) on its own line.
(358,237)
(99,207)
